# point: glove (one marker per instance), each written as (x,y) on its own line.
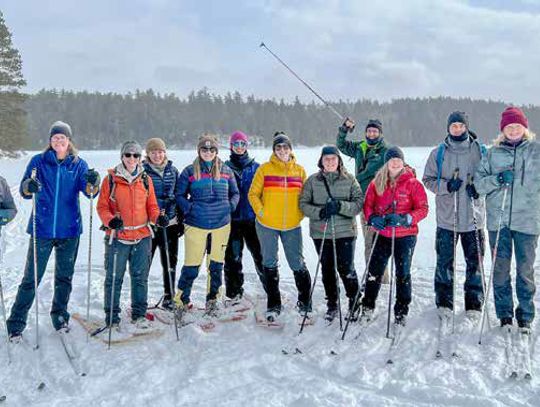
(377,222)
(395,220)
(92,177)
(506,177)
(454,184)
(31,185)
(471,191)
(347,126)
(162,221)
(332,207)
(116,223)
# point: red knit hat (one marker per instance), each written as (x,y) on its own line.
(513,115)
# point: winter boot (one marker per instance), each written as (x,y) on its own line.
(400,320)
(303,285)
(232,301)
(212,308)
(367,315)
(167,304)
(524,325)
(272,315)
(141,324)
(272,288)
(506,321)
(15,338)
(331,314)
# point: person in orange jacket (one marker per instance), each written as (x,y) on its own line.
(127,206)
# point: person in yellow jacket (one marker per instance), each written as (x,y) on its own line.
(274,196)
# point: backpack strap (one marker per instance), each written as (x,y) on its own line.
(112,185)
(439,160)
(327,187)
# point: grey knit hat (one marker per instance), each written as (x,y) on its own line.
(60,127)
(130,147)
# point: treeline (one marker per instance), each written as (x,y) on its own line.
(105,120)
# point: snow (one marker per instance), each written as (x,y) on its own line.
(239,363)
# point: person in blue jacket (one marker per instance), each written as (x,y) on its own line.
(207,194)
(243,220)
(164,177)
(60,174)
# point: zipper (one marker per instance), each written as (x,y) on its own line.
(523,172)
(56,198)
(512,191)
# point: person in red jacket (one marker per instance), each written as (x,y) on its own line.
(395,199)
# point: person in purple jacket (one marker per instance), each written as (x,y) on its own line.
(243,220)
(207,194)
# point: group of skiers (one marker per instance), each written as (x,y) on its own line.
(146,204)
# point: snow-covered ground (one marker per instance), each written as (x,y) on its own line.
(239,363)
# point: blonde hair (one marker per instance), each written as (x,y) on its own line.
(383,178)
(215,171)
(528,135)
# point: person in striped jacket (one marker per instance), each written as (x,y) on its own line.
(274,196)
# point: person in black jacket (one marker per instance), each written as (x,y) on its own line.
(164,176)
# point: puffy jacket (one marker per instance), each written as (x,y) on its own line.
(8,210)
(522,208)
(465,156)
(343,188)
(207,203)
(275,192)
(136,205)
(58,214)
(165,186)
(244,171)
(409,197)
(368,159)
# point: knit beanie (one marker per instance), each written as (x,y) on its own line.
(375,123)
(281,138)
(155,144)
(238,136)
(457,117)
(208,141)
(130,147)
(513,115)
(393,152)
(60,127)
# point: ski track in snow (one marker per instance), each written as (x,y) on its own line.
(238,362)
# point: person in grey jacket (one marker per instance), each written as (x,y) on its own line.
(8,210)
(449,174)
(510,173)
(332,198)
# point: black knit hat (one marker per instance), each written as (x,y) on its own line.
(281,138)
(60,127)
(457,117)
(393,152)
(329,150)
(375,123)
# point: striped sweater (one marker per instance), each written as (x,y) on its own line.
(275,192)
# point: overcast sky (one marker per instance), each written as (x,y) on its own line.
(346,49)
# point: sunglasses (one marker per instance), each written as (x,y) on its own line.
(239,144)
(134,155)
(209,149)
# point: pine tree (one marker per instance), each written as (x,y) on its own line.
(13,132)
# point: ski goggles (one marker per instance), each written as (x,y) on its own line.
(239,144)
(134,155)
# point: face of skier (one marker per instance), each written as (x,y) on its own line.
(239,147)
(373,133)
(131,160)
(395,166)
(156,156)
(60,144)
(514,132)
(457,129)
(283,152)
(207,153)
(330,162)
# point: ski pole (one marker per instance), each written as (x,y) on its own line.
(478,243)
(314,278)
(336,272)
(391,290)
(111,305)
(493,263)
(34,244)
(361,288)
(89,278)
(5,321)
(454,261)
(171,282)
(332,109)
